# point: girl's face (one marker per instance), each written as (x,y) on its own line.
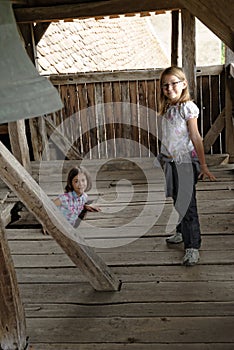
(173,87)
(79,183)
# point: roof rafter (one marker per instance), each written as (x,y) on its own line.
(90,9)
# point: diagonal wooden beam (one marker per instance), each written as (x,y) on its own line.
(38,203)
(214,131)
(61,141)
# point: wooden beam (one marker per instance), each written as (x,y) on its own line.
(38,203)
(174,38)
(127,75)
(214,131)
(93,9)
(12,318)
(216,15)
(61,141)
(229,106)
(189,50)
(39,31)
(19,144)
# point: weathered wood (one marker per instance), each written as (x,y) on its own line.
(162,305)
(55,134)
(214,131)
(135,346)
(39,30)
(216,15)
(101,8)
(129,75)
(41,206)
(36,138)
(12,318)
(141,329)
(19,144)
(189,50)
(229,107)
(175,38)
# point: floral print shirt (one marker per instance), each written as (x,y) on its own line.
(175,141)
(72,205)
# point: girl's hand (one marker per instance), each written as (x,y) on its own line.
(206,173)
(92,208)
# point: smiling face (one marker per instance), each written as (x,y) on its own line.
(79,183)
(173,87)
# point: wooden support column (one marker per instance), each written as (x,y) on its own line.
(12,318)
(174,37)
(38,203)
(36,125)
(189,50)
(19,144)
(229,105)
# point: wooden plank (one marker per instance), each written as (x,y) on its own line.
(140,245)
(40,205)
(92,120)
(134,132)
(132,346)
(143,119)
(127,75)
(100,8)
(110,310)
(109,119)
(142,330)
(207,291)
(125,140)
(130,274)
(84,120)
(12,318)
(169,258)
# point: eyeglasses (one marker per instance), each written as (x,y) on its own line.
(173,85)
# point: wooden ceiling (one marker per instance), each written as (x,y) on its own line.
(217,15)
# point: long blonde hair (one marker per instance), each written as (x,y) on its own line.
(185,96)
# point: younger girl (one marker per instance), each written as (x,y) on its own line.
(182,156)
(74,202)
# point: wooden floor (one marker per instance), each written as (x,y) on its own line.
(162,305)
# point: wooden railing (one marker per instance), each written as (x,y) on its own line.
(113,114)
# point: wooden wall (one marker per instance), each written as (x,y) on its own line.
(113,114)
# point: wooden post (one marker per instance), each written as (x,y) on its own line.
(189,50)
(229,105)
(174,37)
(35,124)
(12,318)
(19,144)
(38,203)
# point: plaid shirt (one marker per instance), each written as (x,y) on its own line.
(72,205)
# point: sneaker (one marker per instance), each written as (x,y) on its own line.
(191,257)
(175,239)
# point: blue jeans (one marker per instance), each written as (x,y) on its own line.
(185,177)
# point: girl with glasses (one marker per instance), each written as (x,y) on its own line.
(182,157)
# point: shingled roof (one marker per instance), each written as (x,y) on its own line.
(100,45)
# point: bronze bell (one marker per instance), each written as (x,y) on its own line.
(23,92)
